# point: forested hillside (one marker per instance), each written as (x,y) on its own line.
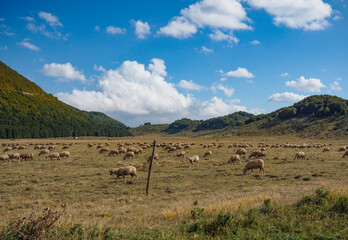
(26,111)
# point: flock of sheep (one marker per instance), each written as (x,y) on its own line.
(131,150)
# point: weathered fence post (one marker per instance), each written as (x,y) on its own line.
(150,168)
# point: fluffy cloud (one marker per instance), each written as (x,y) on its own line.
(306,85)
(240,73)
(52,20)
(226,90)
(297,14)
(206,50)
(284,74)
(286,97)
(335,86)
(142,29)
(215,14)
(112,30)
(218,35)
(189,85)
(255,42)
(134,94)
(178,27)
(63,72)
(28,19)
(28,45)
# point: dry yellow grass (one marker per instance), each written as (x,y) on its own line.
(94,198)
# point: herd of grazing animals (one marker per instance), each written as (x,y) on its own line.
(132,150)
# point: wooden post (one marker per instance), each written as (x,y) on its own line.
(150,168)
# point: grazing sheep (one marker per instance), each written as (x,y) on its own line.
(14,155)
(5,157)
(44,151)
(181,154)
(25,156)
(53,155)
(122,150)
(124,171)
(342,149)
(8,149)
(345,154)
(254,164)
(241,151)
(64,154)
(257,154)
(234,159)
(208,153)
(193,159)
(128,155)
(51,147)
(154,157)
(114,152)
(300,155)
(326,149)
(65,147)
(104,149)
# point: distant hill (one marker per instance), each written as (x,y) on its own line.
(26,111)
(318,115)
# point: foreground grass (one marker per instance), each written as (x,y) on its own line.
(323,215)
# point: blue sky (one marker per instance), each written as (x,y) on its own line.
(159,61)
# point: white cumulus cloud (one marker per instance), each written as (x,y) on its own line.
(335,86)
(228,91)
(189,85)
(255,42)
(297,14)
(112,30)
(63,72)
(25,43)
(306,85)
(215,14)
(240,73)
(286,97)
(134,94)
(206,50)
(52,20)
(218,35)
(142,29)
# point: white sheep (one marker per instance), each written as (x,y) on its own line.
(14,155)
(235,158)
(154,157)
(326,149)
(257,154)
(129,155)
(25,156)
(114,152)
(44,151)
(254,164)
(300,155)
(5,157)
(124,171)
(193,159)
(181,154)
(53,155)
(241,151)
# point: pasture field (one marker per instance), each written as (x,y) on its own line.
(95,199)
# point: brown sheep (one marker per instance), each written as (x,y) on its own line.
(25,156)
(64,154)
(326,149)
(345,154)
(104,149)
(44,151)
(342,149)
(208,153)
(241,152)
(234,159)
(129,155)
(254,164)
(257,154)
(300,155)
(154,157)
(14,155)
(124,171)
(8,149)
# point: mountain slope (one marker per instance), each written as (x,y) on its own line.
(26,111)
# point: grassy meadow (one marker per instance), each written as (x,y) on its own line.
(183,199)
